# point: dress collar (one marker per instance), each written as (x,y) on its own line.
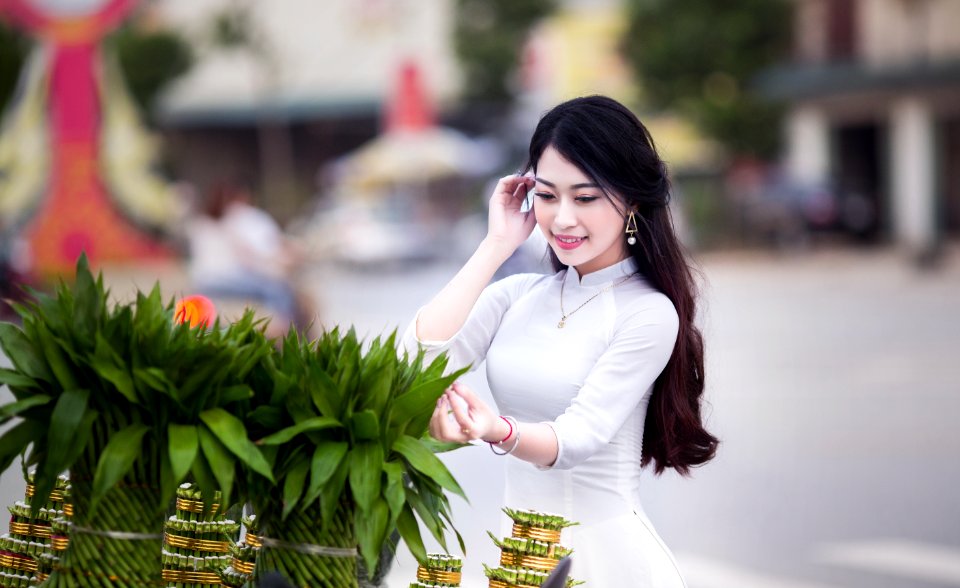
(603,276)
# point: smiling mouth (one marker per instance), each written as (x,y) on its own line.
(568,242)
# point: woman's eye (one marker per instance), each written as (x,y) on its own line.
(586,199)
(543,195)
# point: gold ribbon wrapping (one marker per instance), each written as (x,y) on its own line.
(188,576)
(499,584)
(244,567)
(59,542)
(252,540)
(18,563)
(513,560)
(437,576)
(538,533)
(198,544)
(193,505)
(55,495)
(38,531)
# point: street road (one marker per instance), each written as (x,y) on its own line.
(833,383)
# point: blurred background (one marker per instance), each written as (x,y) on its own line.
(329,163)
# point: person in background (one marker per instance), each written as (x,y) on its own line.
(597,369)
(238,251)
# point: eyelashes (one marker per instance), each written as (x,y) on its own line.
(548,196)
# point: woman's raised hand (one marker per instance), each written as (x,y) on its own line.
(506,224)
(461,416)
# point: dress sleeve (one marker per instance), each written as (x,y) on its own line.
(620,380)
(469,345)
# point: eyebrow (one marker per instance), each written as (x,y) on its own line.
(572,187)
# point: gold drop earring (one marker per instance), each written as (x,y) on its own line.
(631,228)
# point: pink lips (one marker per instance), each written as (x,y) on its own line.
(571,242)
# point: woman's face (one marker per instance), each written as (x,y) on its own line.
(584,228)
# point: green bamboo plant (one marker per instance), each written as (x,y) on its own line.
(131,404)
(345,431)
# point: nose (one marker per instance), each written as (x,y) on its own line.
(566,215)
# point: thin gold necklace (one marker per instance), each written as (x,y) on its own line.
(564,316)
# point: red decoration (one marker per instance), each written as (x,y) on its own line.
(196,310)
(77,213)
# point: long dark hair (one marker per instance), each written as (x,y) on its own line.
(609,144)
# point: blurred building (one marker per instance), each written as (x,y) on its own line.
(304,83)
(874,94)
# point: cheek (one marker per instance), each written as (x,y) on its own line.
(544,219)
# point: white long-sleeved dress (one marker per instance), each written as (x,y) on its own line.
(591,382)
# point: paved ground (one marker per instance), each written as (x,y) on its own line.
(833,383)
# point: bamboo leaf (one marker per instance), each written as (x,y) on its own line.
(23,353)
(324,392)
(428,511)
(371,528)
(410,532)
(293,485)
(81,439)
(16,439)
(393,491)
(116,460)
(110,367)
(205,479)
(235,393)
(439,446)
(327,457)
(310,424)
(66,418)
(87,302)
(365,425)
(16,379)
(8,411)
(221,464)
(366,466)
(53,353)
(376,387)
(425,462)
(182,445)
(413,409)
(154,379)
(231,432)
(330,493)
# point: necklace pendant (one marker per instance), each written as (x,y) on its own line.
(562,322)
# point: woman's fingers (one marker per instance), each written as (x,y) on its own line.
(451,429)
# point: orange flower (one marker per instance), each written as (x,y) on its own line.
(196,310)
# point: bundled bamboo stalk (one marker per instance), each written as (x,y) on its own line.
(440,570)
(26,551)
(117,543)
(531,553)
(197,541)
(243,556)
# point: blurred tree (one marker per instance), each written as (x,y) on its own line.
(698,58)
(14,47)
(150,59)
(488,39)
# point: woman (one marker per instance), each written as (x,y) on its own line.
(598,369)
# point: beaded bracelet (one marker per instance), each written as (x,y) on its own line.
(514,427)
